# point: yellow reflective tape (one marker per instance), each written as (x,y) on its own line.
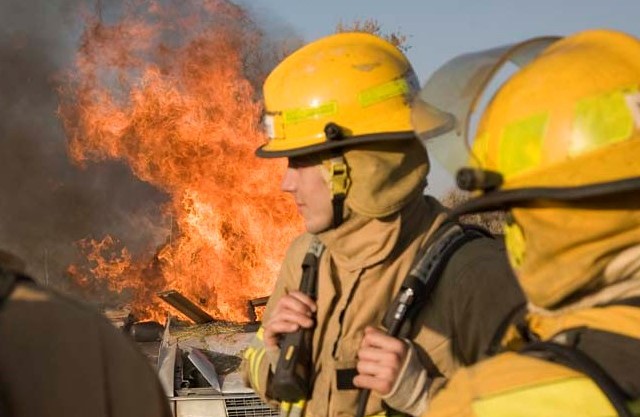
(254,366)
(600,121)
(383,92)
(570,397)
(285,407)
(515,242)
(301,114)
(249,352)
(521,144)
(260,334)
(297,408)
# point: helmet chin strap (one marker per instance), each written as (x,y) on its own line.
(523,197)
(339,182)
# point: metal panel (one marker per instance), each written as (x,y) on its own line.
(185,306)
(200,408)
(167,361)
(205,367)
(248,406)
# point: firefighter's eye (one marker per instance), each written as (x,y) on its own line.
(301,162)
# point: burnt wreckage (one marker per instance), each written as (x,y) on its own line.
(199,363)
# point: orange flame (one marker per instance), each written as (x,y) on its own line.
(169,93)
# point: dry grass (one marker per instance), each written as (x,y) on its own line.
(208,329)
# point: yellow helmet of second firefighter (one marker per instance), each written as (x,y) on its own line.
(570,118)
(341,90)
(566,125)
(558,146)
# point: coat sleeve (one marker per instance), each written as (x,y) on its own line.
(259,361)
(486,294)
(411,390)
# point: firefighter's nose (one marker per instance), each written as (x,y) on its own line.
(289,180)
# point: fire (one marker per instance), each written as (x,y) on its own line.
(107,263)
(171,93)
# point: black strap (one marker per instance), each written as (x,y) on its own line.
(630,302)
(344,378)
(427,272)
(292,380)
(422,279)
(581,362)
(516,316)
(338,209)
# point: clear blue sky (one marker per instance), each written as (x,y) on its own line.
(437,31)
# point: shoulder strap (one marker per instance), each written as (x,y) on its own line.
(427,271)
(581,362)
(630,302)
(422,279)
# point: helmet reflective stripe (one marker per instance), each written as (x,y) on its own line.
(598,121)
(303,114)
(603,119)
(386,91)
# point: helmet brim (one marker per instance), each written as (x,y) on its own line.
(264,152)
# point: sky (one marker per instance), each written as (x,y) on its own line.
(438,31)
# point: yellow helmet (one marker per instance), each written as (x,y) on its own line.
(570,118)
(558,146)
(565,126)
(341,90)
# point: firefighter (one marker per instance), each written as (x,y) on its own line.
(339,110)
(558,146)
(60,358)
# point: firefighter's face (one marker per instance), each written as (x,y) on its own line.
(307,183)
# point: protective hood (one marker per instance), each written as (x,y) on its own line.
(362,241)
(557,269)
(385,176)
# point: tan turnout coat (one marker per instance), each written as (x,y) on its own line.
(361,270)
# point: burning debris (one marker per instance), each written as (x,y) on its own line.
(199,367)
(198,364)
(185,306)
(170,90)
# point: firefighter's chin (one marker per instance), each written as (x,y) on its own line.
(317,222)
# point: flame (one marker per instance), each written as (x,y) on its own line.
(170,92)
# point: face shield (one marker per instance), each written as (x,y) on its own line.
(457,88)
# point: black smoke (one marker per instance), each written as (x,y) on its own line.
(46,202)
